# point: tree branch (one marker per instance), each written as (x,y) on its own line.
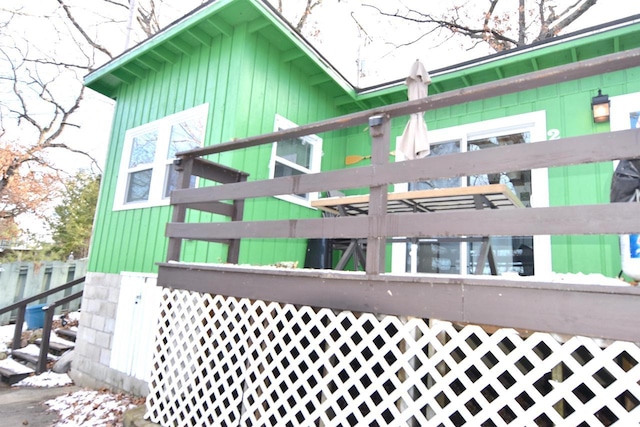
(87,38)
(552,30)
(311,4)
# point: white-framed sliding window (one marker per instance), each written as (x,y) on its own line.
(146,176)
(532,187)
(296,156)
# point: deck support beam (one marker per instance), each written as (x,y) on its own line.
(559,307)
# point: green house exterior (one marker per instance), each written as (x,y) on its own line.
(247,66)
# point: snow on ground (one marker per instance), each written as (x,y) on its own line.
(45,380)
(90,408)
(577,278)
(6,336)
(73,316)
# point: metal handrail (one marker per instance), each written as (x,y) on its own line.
(41,295)
(21,306)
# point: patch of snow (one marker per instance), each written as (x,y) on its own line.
(90,408)
(61,340)
(74,315)
(14,366)
(575,278)
(6,333)
(45,380)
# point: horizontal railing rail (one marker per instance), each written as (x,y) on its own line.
(557,220)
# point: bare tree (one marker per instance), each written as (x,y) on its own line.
(298,22)
(40,99)
(41,86)
(148,18)
(501,25)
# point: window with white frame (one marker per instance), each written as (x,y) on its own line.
(295,156)
(147,176)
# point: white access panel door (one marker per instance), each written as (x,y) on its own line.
(135,327)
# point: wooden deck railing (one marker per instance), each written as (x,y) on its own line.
(378,225)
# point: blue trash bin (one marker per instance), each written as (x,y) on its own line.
(34,315)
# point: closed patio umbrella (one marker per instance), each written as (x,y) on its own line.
(413,142)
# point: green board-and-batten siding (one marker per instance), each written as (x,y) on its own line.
(246,83)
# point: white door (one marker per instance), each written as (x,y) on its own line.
(136,324)
(524,255)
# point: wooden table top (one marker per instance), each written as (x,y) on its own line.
(494,196)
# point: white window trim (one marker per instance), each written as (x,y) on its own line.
(536,124)
(621,106)
(160,162)
(316,161)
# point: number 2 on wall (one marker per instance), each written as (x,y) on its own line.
(553,134)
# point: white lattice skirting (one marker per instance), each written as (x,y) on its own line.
(231,362)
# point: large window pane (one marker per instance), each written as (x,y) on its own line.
(143,149)
(185,136)
(284,170)
(520,181)
(436,257)
(440,149)
(511,254)
(139,185)
(171,179)
(296,151)
(295,156)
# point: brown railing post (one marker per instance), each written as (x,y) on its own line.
(379,128)
(46,334)
(17,332)
(233,252)
(184,167)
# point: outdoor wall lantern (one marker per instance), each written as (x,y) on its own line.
(600,105)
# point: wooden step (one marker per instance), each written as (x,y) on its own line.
(12,372)
(68,334)
(57,348)
(29,355)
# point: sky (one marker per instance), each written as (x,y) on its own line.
(365,47)
(382,43)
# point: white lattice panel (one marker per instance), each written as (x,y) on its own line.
(236,362)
